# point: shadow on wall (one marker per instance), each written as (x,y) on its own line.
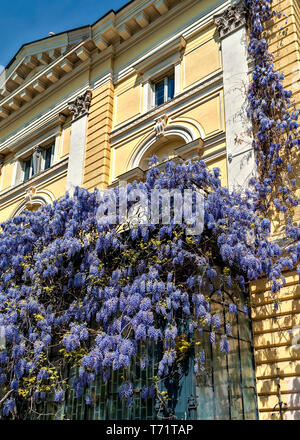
(293,400)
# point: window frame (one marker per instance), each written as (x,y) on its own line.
(51,140)
(43,160)
(170,74)
(171,66)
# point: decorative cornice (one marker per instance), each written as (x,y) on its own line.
(233,18)
(18,139)
(46,78)
(80,106)
(176,45)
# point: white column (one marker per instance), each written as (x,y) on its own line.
(231,25)
(79,110)
(146,96)
(177,78)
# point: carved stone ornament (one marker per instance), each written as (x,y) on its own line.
(160,125)
(80,106)
(37,159)
(230,20)
(29,196)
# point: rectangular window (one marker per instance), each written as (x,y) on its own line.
(164,89)
(42,165)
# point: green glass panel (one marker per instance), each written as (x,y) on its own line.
(220,377)
(244,326)
(205,399)
(248,377)
(236,403)
(234,371)
(250,409)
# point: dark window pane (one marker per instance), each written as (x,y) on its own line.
(159,93)
(27,169)
(171,85)
(48,157)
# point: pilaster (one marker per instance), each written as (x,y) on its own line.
(79,110)
(231,25)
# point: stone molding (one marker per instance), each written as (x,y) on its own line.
(80,106)
(231,19)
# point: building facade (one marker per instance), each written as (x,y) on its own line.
(90,106)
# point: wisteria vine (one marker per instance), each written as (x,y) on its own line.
(76,295)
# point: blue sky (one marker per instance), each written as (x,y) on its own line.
(23,21)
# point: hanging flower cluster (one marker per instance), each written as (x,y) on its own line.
(77,293)
(276,133)
(274,118)
(83,296)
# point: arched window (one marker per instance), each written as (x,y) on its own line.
(33,201)
(163,144)
(164,149)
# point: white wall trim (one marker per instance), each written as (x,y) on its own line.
(42,198)
(187,135)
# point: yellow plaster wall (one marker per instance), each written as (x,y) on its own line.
(121,154)
(272,330)
(56,187)
(221,163)
(273,342)
(155,37)
(64,144)
(283,38)
(128,104)
(201,57)
(7,174)
(207,114)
